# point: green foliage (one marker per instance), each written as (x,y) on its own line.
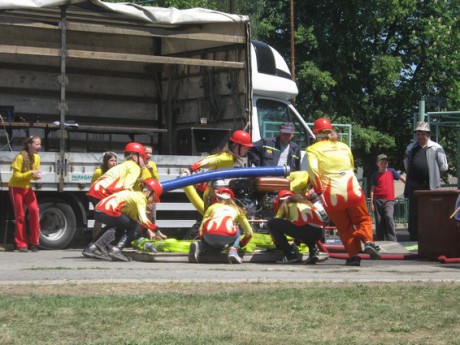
(184,4)
(371,62)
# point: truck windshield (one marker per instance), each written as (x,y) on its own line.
(272,113)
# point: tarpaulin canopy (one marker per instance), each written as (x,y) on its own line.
(155,15)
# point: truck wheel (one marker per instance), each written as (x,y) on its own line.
(57,224)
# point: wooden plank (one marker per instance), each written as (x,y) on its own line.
(85,85)
(192,34)
(136,58)
(106,110)
(88,128)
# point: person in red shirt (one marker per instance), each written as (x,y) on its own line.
(383,199)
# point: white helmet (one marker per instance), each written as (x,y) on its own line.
(218,184)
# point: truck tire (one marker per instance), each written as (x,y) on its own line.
(58,224)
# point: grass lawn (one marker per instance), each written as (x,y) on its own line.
(244,313)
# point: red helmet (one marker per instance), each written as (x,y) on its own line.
(321,124)
(223,192)
(134,147)
(155,186)
(242,138)
(282,195)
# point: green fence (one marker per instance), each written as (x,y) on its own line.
(401,214)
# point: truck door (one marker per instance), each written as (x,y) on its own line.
(268,116)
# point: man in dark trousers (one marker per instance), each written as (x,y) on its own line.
(278,150)
(425,161)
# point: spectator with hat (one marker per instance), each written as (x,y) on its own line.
(424,161)
(278,150)
(383,199)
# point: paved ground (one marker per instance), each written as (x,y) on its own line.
(64,266)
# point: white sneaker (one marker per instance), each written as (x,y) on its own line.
(233,257)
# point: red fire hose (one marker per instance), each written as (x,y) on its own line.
(335,251)
(445,260)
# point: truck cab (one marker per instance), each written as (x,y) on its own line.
(273,92)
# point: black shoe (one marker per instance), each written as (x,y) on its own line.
(88,252)
(313,257)
(373,250)
(194,252)
(34,249)
(97,254)
(289,259)
(353,261)
(23,249)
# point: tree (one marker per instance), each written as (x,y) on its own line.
(369,63)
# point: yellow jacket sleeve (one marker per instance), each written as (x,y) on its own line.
(298,182)
(222,160)
(22,179)
(96,174)
(135,207)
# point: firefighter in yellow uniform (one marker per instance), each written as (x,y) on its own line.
(295,217)
(229,157)
(122,176)
(331,171)
(220,227)
(126,212)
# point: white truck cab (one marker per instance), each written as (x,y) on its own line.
(273,91)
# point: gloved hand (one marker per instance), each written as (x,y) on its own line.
(156,235)
(318,202)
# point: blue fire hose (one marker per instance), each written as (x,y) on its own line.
(221,174)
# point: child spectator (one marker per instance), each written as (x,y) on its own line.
(383,199)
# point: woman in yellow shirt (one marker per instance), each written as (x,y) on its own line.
(26,168)
(109,160)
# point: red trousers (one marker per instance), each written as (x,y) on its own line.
(354,226)
(20,197)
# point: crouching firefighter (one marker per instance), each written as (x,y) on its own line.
(125,214)
(220,228)
(298,218)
